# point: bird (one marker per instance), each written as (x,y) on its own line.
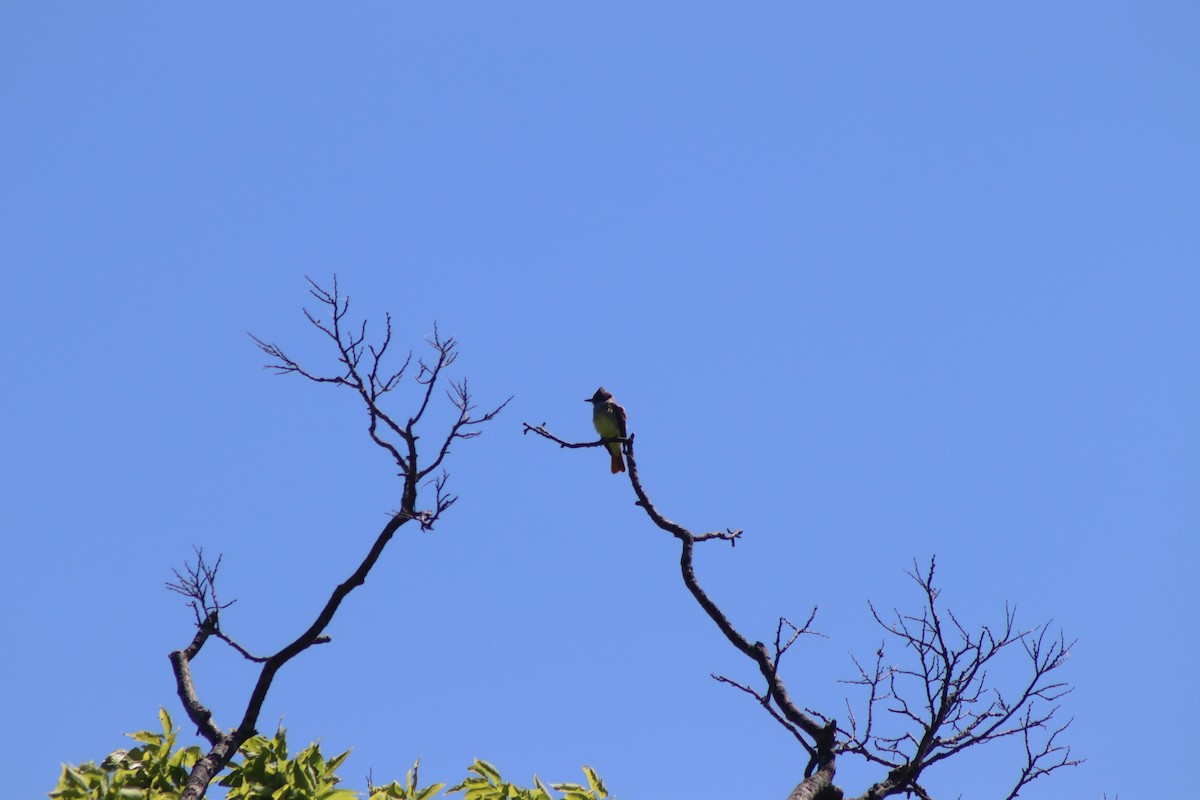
(609,419)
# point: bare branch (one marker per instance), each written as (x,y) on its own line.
(934,705)
(765,702)
(944,698)
(541,430)
(1044,758)
(727,535)
(461,398)
(796,632)
(428,375)
(371,382)
(785,710)
(199,583)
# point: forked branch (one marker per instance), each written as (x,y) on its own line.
(360,368)
(941,701)
(817,738)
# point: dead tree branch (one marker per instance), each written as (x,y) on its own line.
(942,700)
(820,741)
(360,368)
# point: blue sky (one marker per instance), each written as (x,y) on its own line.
(874,282)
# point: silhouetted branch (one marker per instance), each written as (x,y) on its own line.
(372,383)
(944,699)
(460,396)
(785,711)
(796,632)
(541,430)
(199,583)
(941,699)
(765,702)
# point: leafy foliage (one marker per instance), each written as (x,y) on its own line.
(153,771)
(407,791)
(266,773)
(486,784)
(158,770)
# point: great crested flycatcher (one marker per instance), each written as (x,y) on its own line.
(609,419)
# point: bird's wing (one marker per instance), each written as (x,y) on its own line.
(620,414)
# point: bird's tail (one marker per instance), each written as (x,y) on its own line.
(618,463)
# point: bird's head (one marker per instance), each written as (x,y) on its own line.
(600,396)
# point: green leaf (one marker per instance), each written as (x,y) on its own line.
(75,776)
(337,794)
(146,737)
(336,761)
(594,782)
(428,791)
(488,771)
(569,787)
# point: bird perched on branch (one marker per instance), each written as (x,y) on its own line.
(609,419)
